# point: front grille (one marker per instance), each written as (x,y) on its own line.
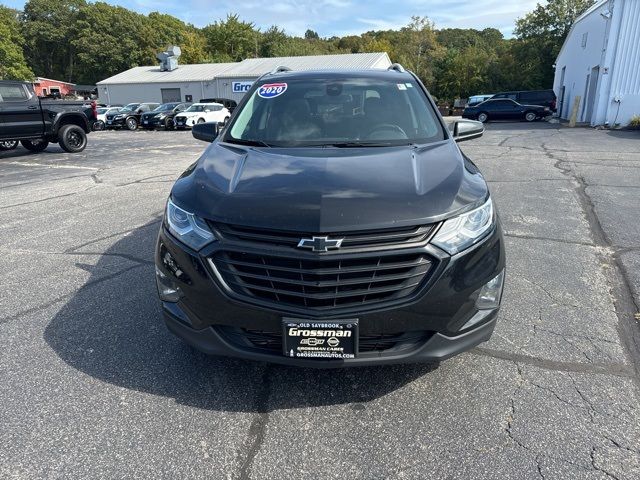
(323,283)
(271,341)
(399,237)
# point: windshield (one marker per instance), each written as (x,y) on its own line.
(195,108)
(166,107)
(340,112)
(130,107)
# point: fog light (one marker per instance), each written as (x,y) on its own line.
(167,289)
(490,294)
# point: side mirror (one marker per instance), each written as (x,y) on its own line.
(207,131)
(467,130)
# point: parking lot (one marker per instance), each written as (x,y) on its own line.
(93,386)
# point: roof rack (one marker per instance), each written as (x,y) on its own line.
(279,69)
(397,67)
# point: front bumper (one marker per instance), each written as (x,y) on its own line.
(182,122)
(442,311)
(115,123)
(152,122)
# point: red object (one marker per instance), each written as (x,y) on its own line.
(43,86)
(94,109)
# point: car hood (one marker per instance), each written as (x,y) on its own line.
(330,189)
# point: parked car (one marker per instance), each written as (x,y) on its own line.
(227,102)
(200,113)
(129,116)
(346,231)
(101,120)
(36,122)
(505,109)
(545,98)
(476,99)
(163,115)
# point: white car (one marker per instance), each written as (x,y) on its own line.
(102,113)
(200,113)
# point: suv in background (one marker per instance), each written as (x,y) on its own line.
(545,98)
(163,115)
(201,113)
(129,116)
(227,102)
(476,99)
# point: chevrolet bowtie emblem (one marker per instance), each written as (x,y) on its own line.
(320,244)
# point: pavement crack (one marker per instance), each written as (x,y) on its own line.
(592,455)
(258,427)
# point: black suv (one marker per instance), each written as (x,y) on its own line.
(163,115)
(333,222)
(544,98)
(129,115)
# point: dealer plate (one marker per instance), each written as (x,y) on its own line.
(323,340)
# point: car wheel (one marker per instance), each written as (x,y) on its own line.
(530,116)
(8,145)
(226,120)
(201,120)
(72,138)
(168,124)
(35,145)
(483,117)
(97,126)
(132,123)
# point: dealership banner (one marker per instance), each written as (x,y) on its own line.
(241,87)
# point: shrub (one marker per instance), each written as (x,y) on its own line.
(635,122)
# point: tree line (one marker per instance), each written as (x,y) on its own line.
(84,42)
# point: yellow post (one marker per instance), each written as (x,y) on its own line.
(574,111)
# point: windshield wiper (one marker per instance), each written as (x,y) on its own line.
(250,143)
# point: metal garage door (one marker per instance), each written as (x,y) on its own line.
(170,95)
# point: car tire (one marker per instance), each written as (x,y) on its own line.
(72,138)
(98,126)
(530,116)
(131,123)
(483,117)
(168,124)
(8,145)
(35,145)
(201,120)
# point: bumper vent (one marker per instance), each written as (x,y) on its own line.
(325,283)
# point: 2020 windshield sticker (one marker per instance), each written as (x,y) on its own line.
(272,90)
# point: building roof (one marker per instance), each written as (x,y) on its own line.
(184,73)
(254,67)
(40,79)
(251,67)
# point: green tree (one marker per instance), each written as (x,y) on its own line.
(48,27)
(418,49)
(271,41)
(232,39)
(12,63)
(541,34)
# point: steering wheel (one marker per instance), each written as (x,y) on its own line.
(400,133)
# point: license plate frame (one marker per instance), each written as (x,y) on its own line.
(320,339)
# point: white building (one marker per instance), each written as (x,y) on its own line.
(190,83)
(600,62)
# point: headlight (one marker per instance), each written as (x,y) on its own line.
(161,116)
(118,117)
(188,228)
(462,231)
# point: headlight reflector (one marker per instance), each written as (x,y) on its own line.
(462,231)
(188,228)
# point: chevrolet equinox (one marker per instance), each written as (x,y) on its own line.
(333,221)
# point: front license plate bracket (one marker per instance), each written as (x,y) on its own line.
(322,340)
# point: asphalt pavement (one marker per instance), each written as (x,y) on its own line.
(92,385)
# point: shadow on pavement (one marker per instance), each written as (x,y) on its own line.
(111,329)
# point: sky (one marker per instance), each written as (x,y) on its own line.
(337,17)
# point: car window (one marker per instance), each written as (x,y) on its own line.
(195,108)
(13,93)
(310,112)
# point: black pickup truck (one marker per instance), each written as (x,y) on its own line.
(36,122)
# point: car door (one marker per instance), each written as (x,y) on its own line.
(496,109)
(20,112)
(512,110)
